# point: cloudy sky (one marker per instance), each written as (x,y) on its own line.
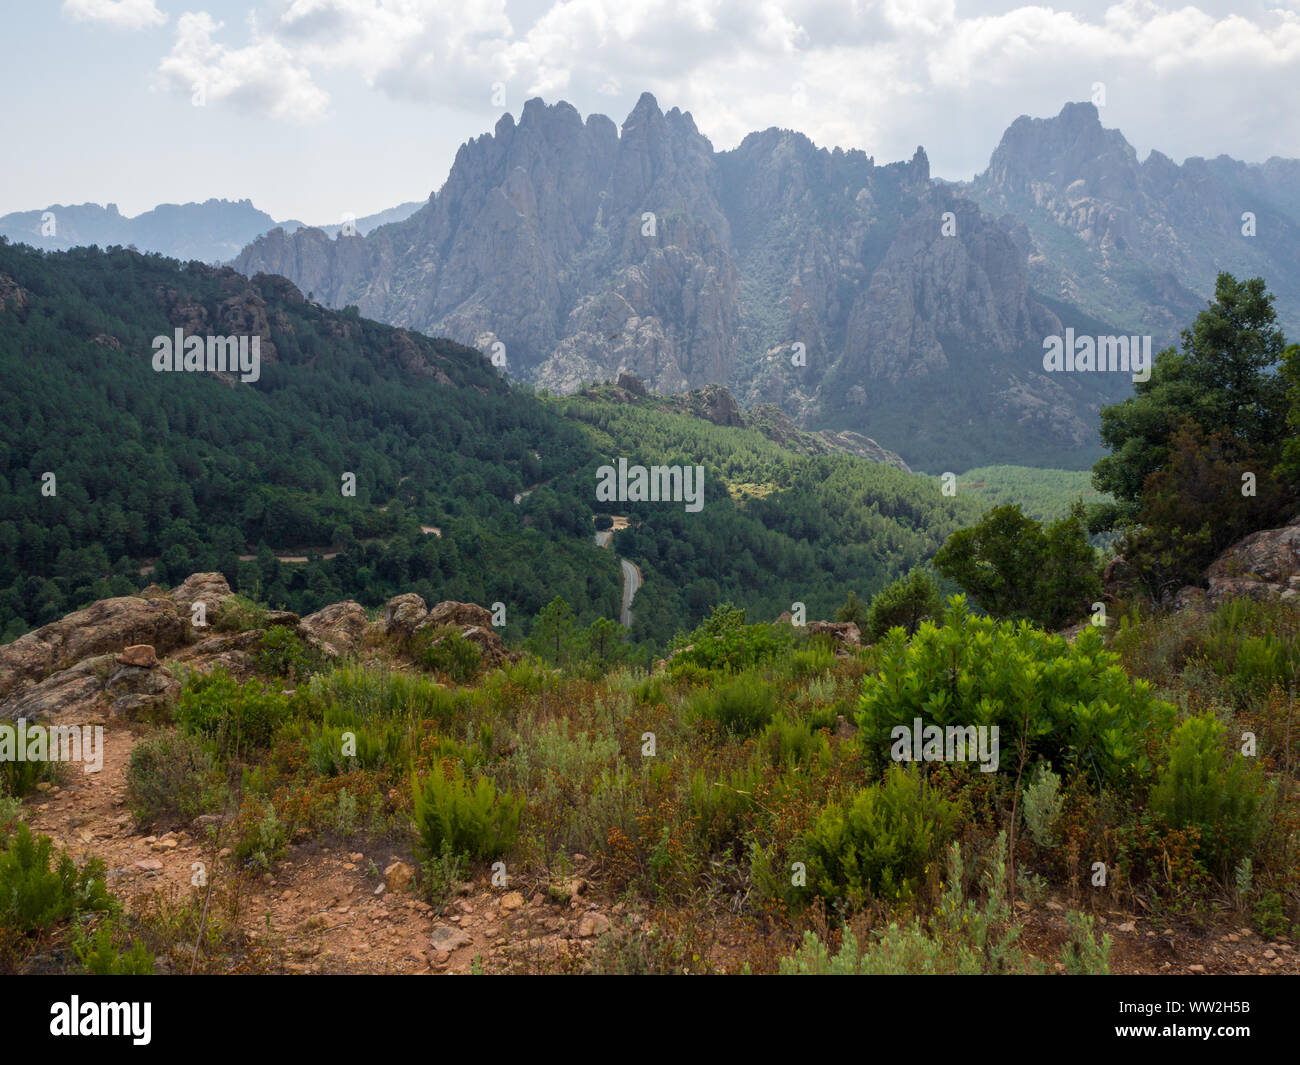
(312,108)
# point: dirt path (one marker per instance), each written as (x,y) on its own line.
(319,910)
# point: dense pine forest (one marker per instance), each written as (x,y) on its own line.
(232,476)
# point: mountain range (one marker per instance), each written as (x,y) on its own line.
(854,296)
(213,231)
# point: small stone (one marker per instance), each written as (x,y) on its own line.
(149,865)
(1196,968)
(445,937)
(43,785)
(397,877)
(1270,954)
(592,924)
(356,856)
(1127,926)
(512,900)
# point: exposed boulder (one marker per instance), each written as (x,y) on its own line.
(1259,566)
(474,623)
(336,629)
(231,651)
(403,614)
(453,613)
(125,689)
(210,589)
(80,684)
(132,690)
(844,634)
(109,625)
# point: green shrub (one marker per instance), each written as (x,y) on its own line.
(741,706)
(962,937)
(440,875)
(1256,644)
(262,837)
(99,955)
(788,742)
(810,661)
(336,748)
(239,614)
(879,842)
(726,644)
(169,774)
(1203,785)
(450,654)
(20,778)
(473,818)
(1084,954)
(371,693)
(282,652)
(34,896)
(235,715)
(722,807)
(1072,703)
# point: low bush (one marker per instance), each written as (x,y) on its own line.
(1202,785)
(879,842)
(38,891)
(170,775)
(236,716)
(1068,702)
(740,706)
(473,818)
(449,653)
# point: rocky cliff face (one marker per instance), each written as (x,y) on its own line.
(854,296)
(1140,243)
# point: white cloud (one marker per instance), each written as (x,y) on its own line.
(264,76)
(876,74)
(121,14)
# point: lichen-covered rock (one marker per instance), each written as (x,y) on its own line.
(92,683)
(403,614)
(131,690)
(109,625)
(451,612)
(845,634)
(336,629)
(210,589)
(1259,566)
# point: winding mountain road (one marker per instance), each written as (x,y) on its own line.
(631,582)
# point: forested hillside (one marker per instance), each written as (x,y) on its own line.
(777,527)
(189,471)
(154,476)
